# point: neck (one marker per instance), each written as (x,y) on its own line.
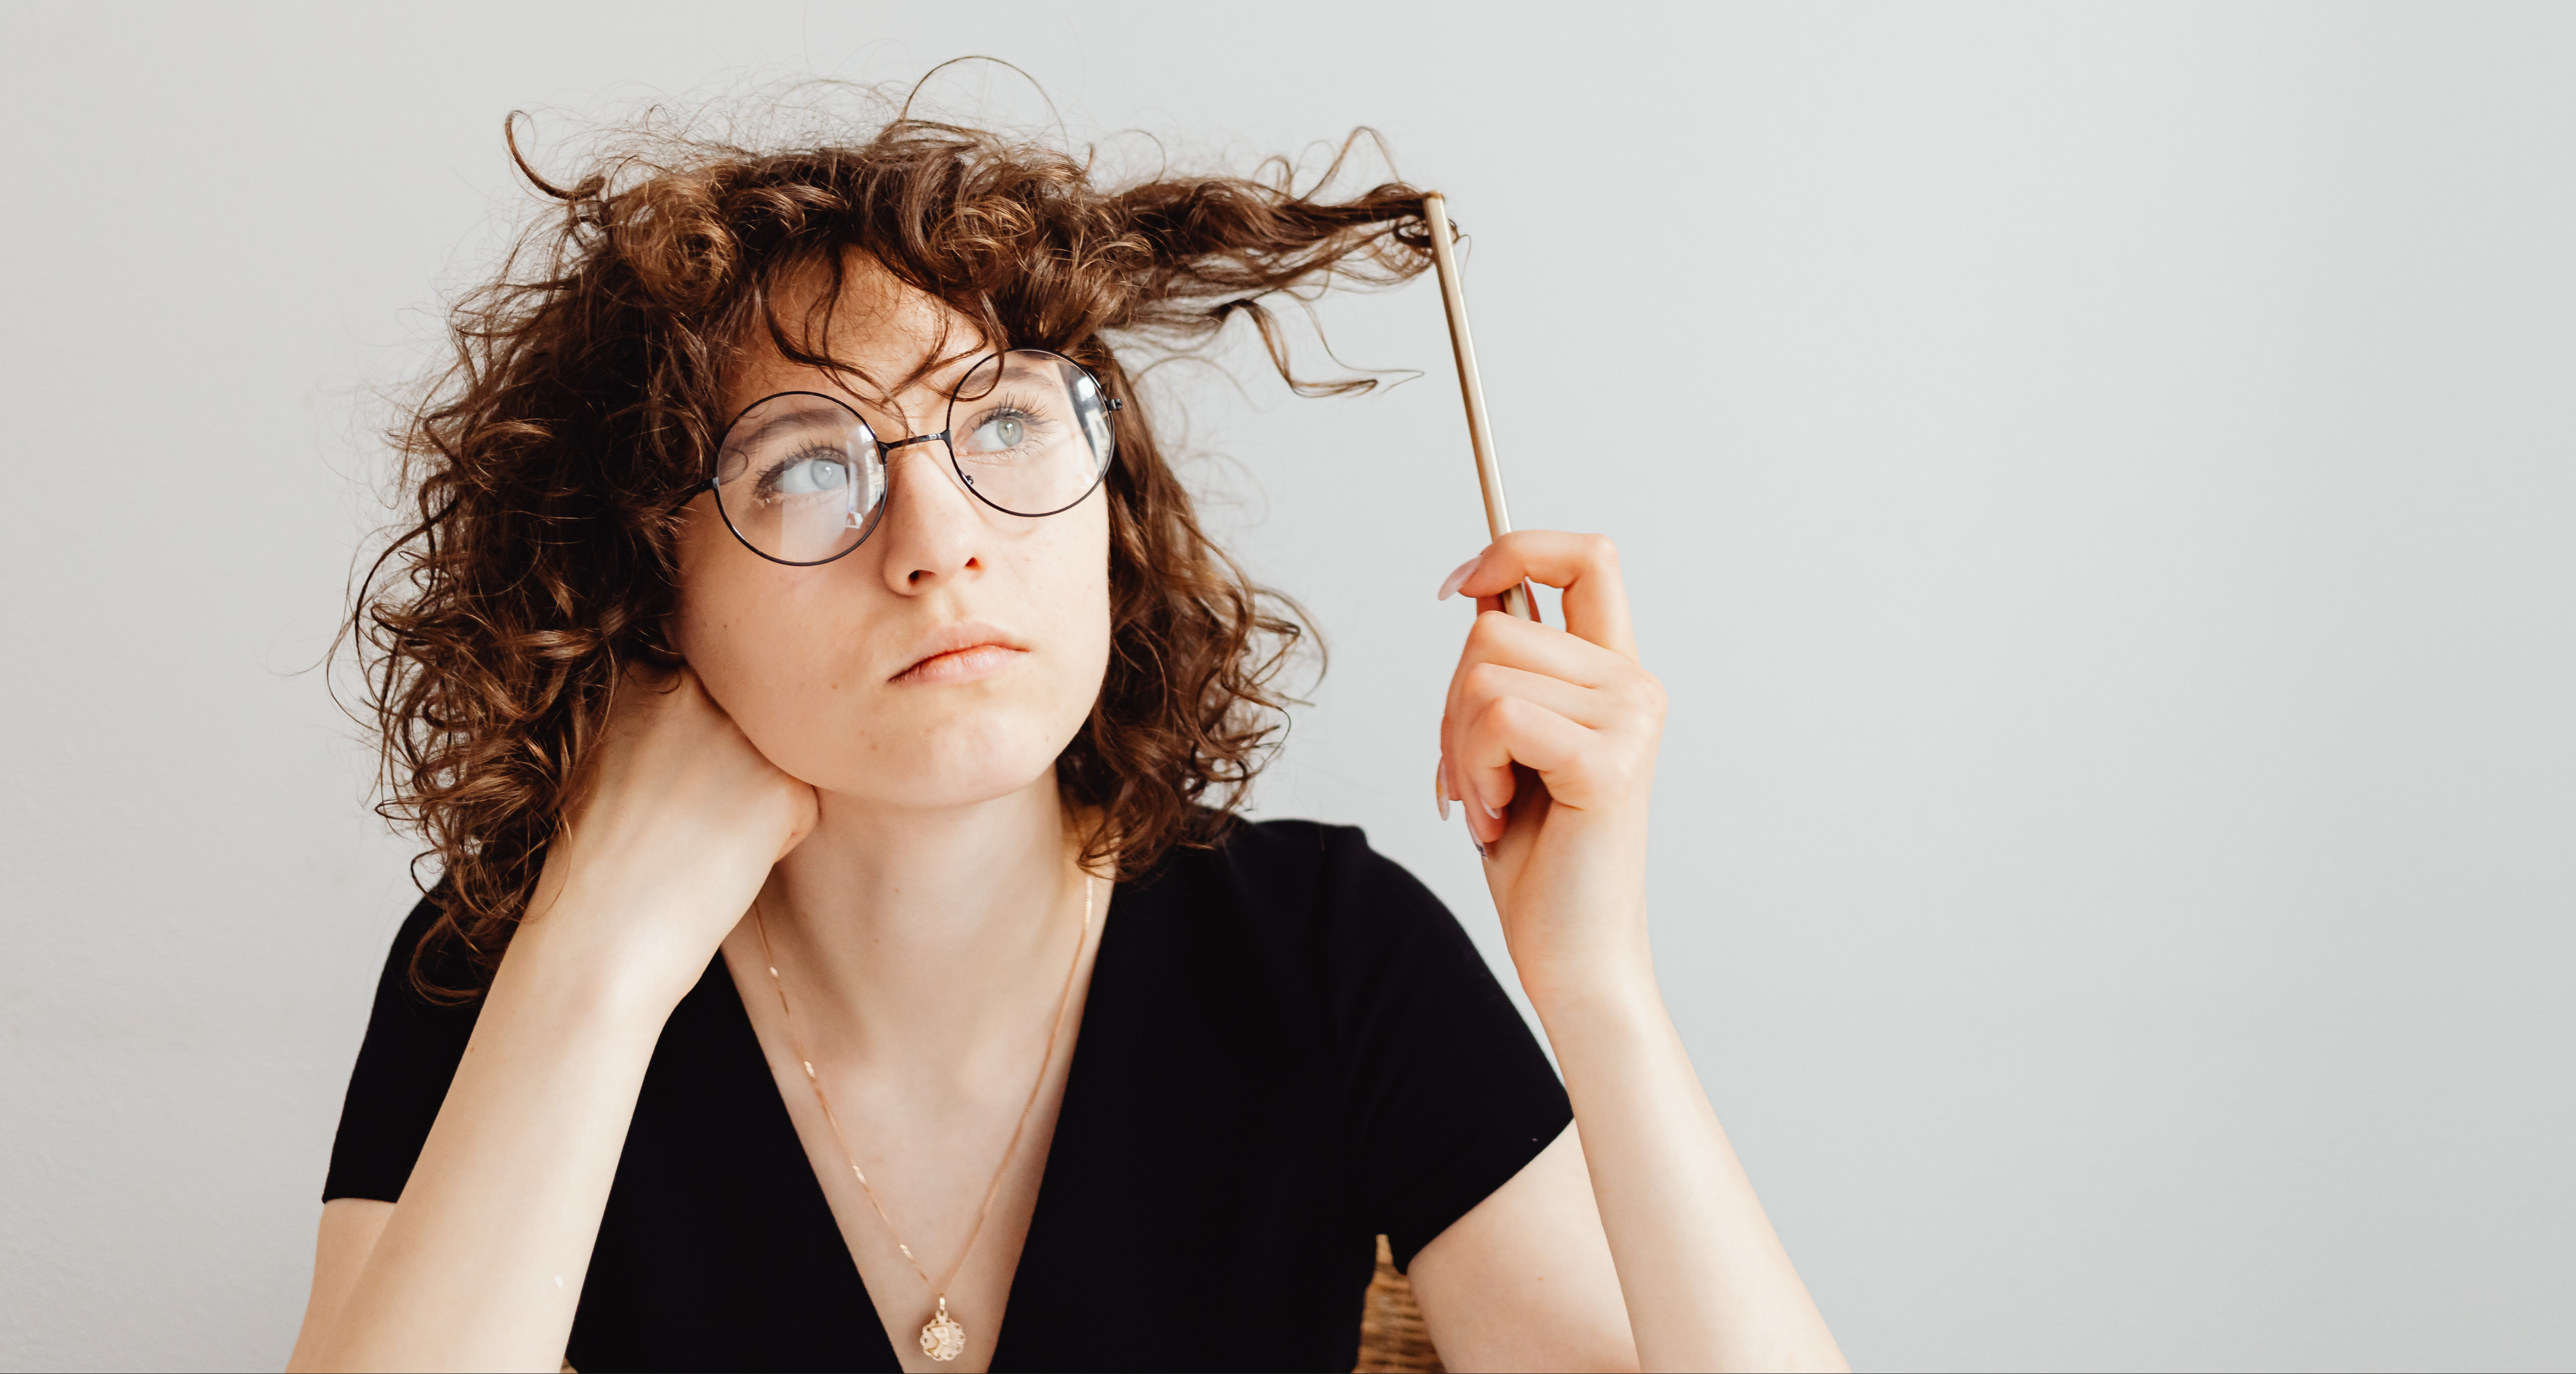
(925,938)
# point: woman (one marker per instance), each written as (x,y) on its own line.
(826,716)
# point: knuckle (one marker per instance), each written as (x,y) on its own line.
(1651,695)
(1629,766)
(1602,549)
(1607,772)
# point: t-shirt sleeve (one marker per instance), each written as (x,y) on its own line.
(1448,1092)
(409,1057)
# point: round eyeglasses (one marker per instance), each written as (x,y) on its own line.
(801,479)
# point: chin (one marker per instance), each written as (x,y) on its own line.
(957,762)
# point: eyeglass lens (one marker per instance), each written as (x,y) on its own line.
(1030,432)
(802,479)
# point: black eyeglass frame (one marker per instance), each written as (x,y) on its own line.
(715,460)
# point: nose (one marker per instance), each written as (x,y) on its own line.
(934,530)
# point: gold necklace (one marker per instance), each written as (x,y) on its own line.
(942,1337)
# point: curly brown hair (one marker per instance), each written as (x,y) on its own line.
(550,459)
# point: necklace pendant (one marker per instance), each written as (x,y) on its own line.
(942,1339)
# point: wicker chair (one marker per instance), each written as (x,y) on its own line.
(1392,1337)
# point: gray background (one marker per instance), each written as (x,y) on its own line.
(2094,479)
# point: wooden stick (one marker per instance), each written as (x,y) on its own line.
(1480,432)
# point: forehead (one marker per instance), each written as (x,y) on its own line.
(886,337)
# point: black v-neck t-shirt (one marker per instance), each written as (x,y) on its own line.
(1289,1048)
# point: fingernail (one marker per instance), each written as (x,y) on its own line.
(1440,786)
(1497,815)
(1458,579)
(1481,851)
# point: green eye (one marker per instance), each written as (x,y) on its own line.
(811,475)
(1001,432)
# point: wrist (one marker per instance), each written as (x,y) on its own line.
(635,926)
(587,962)
(1609,982)
(1606,1028)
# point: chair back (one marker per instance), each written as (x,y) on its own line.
(1393,1339)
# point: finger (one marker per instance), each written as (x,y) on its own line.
(1487,793)
(1509,642)
(1584,566)
(1506,731)
(1517,643)
(1495,603)
(1485,683)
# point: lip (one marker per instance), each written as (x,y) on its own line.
(963,652)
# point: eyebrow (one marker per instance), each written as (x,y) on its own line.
(1012,371)
(1019,371)
(800,419)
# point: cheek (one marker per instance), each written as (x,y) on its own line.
(1080,575)
(707,619)
(745,627)
(784,651)
(1052,586)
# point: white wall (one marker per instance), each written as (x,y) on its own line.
(2096,480)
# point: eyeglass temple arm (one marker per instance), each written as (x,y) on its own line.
(1480,432)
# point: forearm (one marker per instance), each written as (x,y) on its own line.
(481,1263)
(1706,1281)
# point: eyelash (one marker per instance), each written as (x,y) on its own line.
(768,485)
(1002,410)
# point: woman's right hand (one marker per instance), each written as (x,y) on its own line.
(670,834)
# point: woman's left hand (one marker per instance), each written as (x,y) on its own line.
(1548,740)
(1556,730)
